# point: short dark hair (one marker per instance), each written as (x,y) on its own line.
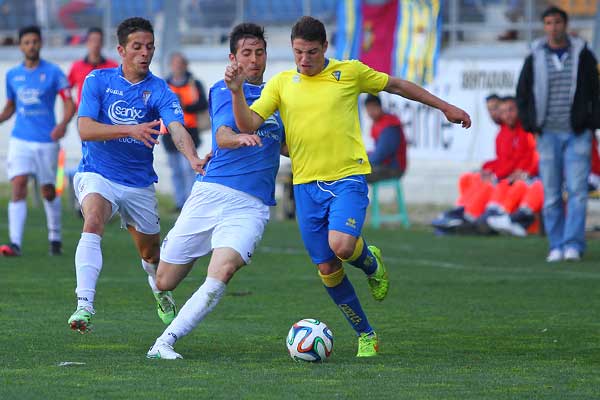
(95,29)
(245,30)
(492,96)
(30,29)
(310,29)
(131,25)
(555,11)
(373,99)
(508,98)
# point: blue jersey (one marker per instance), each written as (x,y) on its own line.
(249,169)
(109,98)
(34,93)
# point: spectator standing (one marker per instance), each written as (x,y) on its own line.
(193,102)
(557,97)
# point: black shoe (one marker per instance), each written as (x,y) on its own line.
(523,218)
(55,248)
(449,219)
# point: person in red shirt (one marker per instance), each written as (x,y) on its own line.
(81,68)
(93,60)
(388,159)
(480,192)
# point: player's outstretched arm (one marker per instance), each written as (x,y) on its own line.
(92,130)
(227,138)
(245,119)
(414,92)
(184,143)
(60,129)
(7,111)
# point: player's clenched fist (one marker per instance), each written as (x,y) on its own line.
(234,76)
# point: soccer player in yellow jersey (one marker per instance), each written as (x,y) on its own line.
(318,103)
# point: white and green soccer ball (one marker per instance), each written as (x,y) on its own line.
(309,340)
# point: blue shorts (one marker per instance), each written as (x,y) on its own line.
(322,206)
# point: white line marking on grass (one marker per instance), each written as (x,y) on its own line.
(416,262)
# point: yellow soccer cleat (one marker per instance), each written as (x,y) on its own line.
(378,281)
(368,345)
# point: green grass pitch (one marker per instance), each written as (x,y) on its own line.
(465,318)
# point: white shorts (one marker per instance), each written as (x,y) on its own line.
(215,216)
(27,158)
(138,206)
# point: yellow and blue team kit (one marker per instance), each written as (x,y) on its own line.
(323,135)
(320,115)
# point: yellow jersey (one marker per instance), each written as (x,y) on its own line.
(320,115)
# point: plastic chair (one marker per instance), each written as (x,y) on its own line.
(401,215)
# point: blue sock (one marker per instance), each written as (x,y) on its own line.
(363,258)
(345,297)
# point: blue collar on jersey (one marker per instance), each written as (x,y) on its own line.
(324,66)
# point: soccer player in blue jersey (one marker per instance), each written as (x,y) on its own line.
(229,206)
(118,120)
(318,103)
(31,90)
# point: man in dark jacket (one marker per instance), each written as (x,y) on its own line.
(558,100)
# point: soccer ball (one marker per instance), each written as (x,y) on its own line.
(309,340)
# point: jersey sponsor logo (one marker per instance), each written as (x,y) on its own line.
(114,91)
(130,140)
(29,96)
(176,108)
(337,74)
(19,78)
(270,129)
(120,114)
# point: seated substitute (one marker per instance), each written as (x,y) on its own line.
(388,159)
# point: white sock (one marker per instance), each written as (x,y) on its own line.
(53,214)
(88,263)
(194,310)
(17,214)
(151,271)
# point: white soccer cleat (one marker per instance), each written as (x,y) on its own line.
(163,351)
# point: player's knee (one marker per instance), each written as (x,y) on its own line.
(48,192)
(163,283)
(343,250)
(19,188)
(93,223)
(151,256)
(342,246)
(226,271)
